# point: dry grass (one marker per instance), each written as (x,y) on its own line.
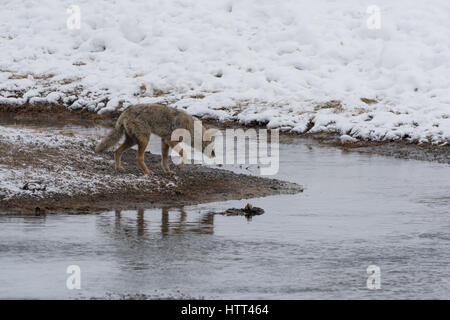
(332,104)
(369,101)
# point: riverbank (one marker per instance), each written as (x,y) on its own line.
(58,171)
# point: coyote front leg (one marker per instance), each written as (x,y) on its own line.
(165,157)
(175,145)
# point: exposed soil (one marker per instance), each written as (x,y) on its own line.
(401,149)
(398,149)
(55,171)
(54,112)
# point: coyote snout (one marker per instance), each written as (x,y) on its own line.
(138,122)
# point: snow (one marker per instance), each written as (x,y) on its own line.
(269,61)
(346,138)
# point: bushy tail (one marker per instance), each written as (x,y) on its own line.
(111,139)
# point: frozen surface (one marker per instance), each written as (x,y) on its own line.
(356,210)
(269,61)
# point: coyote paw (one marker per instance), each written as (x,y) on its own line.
(120,169)
(167,169)
(148,171)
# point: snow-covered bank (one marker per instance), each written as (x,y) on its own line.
(43,164)
(279,62)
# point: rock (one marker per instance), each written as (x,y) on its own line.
(34,186)
(249,211)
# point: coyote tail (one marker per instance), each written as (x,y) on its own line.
(111,139)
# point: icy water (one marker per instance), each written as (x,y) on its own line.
(357,210)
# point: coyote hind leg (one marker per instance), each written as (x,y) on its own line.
(128,143)
(142,145)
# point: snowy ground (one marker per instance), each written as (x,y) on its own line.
(297,65)
(43,164)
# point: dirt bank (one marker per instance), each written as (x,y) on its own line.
(58,171)
(401,149)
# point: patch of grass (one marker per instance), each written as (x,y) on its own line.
(198,96)
(369,101)
(332,104)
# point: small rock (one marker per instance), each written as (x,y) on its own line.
(38,211)
(34,186)
(249,211)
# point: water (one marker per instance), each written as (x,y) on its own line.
(357,210)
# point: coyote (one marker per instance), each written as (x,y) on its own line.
(138,122)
